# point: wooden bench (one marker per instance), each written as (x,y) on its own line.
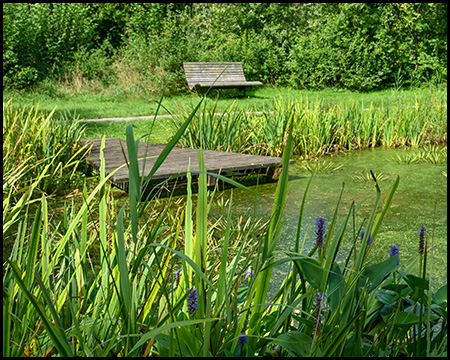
(217,75)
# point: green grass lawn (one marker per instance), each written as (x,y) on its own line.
(160,133)
(97,105)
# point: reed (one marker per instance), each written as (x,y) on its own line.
(110,285)
(227,130)
(32,140)
(318,128)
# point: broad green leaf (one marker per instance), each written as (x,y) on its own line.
(376,273)
(440,297)
(387,298)
(337,287)
(295,343)
(406,318)
(416,283)
(311,269)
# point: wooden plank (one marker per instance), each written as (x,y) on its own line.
(229,83)
(212,65)
(225,69)
(216,74)
(219,162)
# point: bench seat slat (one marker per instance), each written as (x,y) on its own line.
(213,78)
(227,74)
(229,83)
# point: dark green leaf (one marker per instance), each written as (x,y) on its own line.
(311,269)
(386,298)
(337,288)
(376,273)
(440,297)
(295,343)
(416,283)
(406,318)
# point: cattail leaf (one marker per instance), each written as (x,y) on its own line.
(33,246)
(270,240)
(134,188)
(56,335)
(194,266)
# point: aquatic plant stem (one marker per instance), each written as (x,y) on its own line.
(431,276)
(263,277)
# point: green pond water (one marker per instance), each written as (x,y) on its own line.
(422,187)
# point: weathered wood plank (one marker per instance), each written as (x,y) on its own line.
(227,74)
(177,161)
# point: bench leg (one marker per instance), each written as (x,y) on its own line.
(211,180)
(239,89)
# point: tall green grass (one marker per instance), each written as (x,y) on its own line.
(32,140)
(318,128)
(110,286)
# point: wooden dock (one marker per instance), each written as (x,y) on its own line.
(219,162)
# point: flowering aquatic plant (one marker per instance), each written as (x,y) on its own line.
(320,231)
(369,240)
(177,277)
(394,251)
(192,300)
(242,339)
(319,297)
(422,231)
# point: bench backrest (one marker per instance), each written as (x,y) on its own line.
(205,73)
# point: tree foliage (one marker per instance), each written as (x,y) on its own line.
(358,46)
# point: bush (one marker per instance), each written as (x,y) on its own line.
(39,38)
(365,47)
(354,46)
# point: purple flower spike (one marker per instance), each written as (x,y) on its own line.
(369,240)
(242,339)
(422,233)
(319,297)
(395,251)
(192,300)
(320,231)
(249,272)
(177,277)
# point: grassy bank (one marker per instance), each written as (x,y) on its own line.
(324,121)
(319,126)
(94,104)
(120,280)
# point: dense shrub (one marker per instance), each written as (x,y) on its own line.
(356,46)
(39,38)
(368,46)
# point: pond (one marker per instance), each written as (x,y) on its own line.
(422,187)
